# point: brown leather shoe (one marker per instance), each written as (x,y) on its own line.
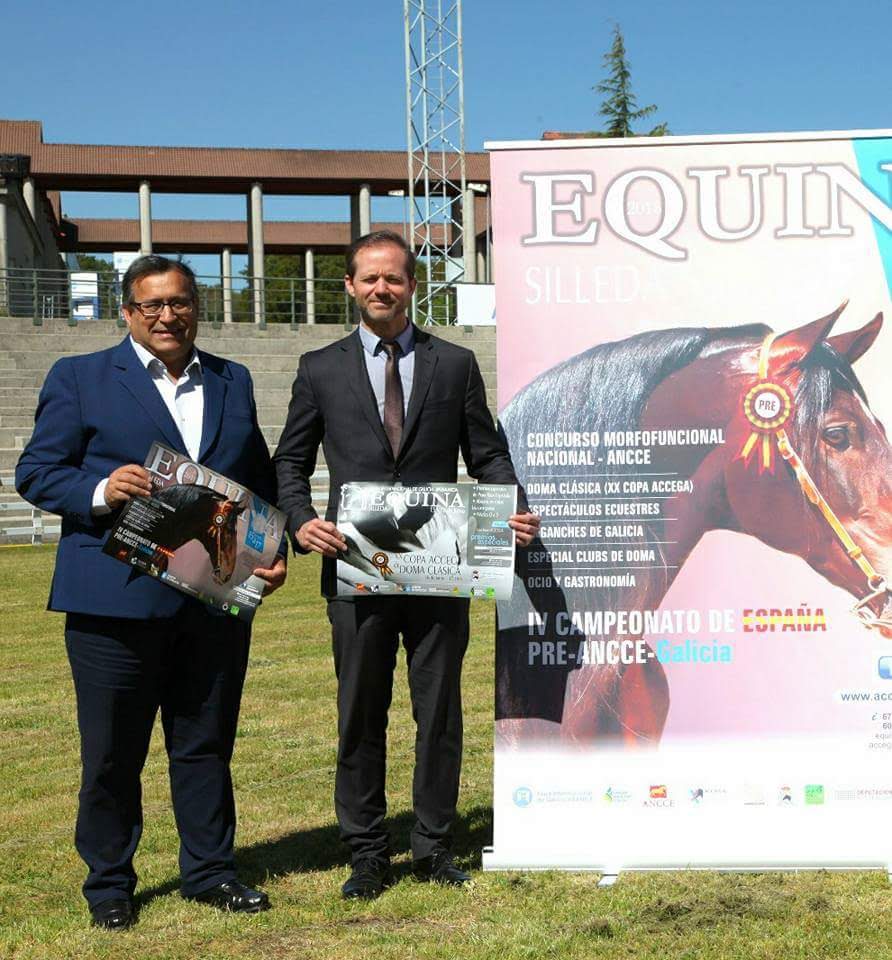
(116,914)
(439,868)
(234,897)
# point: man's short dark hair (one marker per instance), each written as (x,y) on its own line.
(376,239)
(153,263)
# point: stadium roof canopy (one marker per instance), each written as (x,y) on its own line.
(218,170)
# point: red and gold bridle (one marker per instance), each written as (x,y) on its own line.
(768,407)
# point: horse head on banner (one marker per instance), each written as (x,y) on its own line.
(807,466)
(804,466)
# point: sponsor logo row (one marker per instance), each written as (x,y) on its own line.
(661,795)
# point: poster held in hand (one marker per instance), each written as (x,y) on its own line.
(199,532)
(437,539)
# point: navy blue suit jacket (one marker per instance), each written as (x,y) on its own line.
(99,411)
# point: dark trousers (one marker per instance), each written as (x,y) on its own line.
(365,636)
(192,667)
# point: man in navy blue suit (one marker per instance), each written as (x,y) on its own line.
(135,645)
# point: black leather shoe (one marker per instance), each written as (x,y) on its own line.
(234,897)
(439,868)
(369,879)
(113,914)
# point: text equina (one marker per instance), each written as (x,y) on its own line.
(804,214)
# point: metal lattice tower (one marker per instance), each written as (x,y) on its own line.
(435,121)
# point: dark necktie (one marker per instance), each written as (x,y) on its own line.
(393,396)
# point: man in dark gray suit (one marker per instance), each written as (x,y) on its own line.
(390,404)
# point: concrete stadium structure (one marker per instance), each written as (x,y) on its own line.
(34,233)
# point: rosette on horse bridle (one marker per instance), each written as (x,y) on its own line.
(767,407)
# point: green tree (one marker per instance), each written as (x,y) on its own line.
(87,262)
(332,303)
(285,288)
(620,107)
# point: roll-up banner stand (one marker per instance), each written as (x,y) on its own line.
(695,667)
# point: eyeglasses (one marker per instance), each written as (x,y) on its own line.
(154,308)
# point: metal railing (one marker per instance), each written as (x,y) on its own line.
(83,295)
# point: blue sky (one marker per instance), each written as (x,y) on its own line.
(331,75)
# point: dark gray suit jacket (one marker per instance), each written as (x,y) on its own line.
(333,404)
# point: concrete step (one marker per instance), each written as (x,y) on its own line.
(27,407)
(14,437)
(17,519)
(272,330)
(265,394)
(16,379)
(37,364)
(19,411)
(17,406)
(268,413)
(9,457)
(52,346)
(271,419)
(34,381)
(40,361)
(257,343)
(16,420)
(110,328)
(25,324)
(23,398)
(16,325)
(273,378)
(94,339)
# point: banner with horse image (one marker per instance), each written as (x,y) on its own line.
(437,539)
(199,532)
(695,665)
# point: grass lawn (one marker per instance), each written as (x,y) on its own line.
(284,772)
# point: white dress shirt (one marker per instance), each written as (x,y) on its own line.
(184,399)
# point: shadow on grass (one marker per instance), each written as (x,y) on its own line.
(321,849)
